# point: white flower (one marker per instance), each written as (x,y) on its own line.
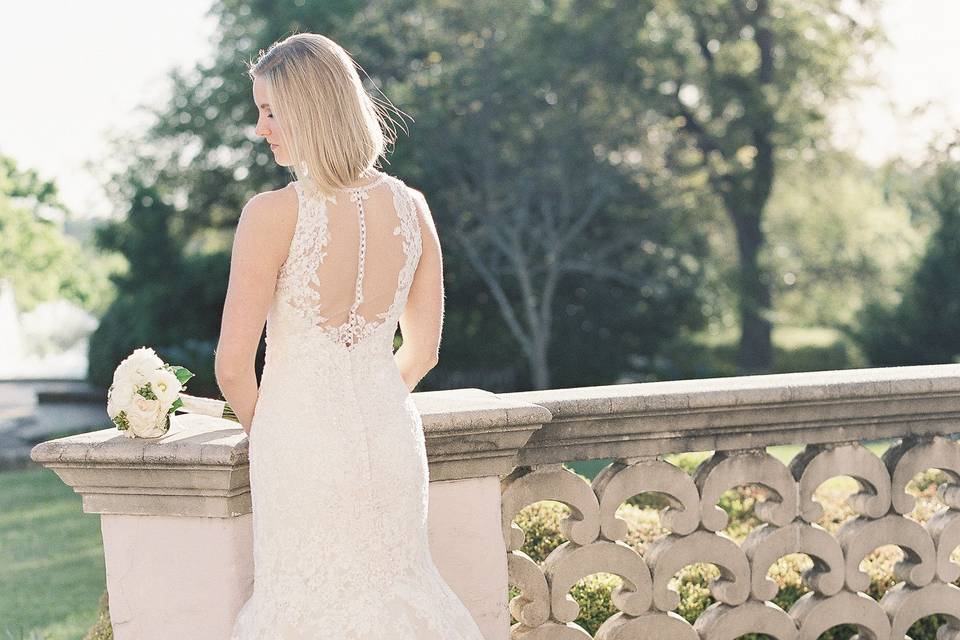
(146,417)
(165,386)
(138,366)
(121,396)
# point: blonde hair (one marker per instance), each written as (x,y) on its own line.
(334,130)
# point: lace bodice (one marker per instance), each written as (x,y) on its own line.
(352,259)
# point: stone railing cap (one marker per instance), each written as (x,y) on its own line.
(681,395)
(201,440)
(192,440)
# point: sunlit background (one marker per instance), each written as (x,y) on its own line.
(85,74)
(127,152)
(59,111)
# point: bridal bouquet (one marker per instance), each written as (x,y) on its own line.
(146,392)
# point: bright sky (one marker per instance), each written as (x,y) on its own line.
(80,69)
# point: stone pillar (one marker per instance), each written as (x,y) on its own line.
(176,524)
(466,541)
(197,577)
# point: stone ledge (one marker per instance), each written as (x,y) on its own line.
(201,466)
(649,419)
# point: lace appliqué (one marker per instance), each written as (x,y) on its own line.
(298,283)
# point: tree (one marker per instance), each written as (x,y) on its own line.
(165,299)
(523,162)
(924,326)
(41,260)
(741,82)
(837,238)
(518,150)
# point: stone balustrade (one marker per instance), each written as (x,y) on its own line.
(494,454)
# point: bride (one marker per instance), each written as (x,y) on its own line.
(332,264)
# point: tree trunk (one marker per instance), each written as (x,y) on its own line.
(755,350)
(539,366)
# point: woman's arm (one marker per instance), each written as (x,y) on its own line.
(421,322)
(260,247)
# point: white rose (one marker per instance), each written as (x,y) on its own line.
(139,364)
(146,417)
(165,386)
(121,396)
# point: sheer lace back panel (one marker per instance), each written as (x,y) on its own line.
(352,259)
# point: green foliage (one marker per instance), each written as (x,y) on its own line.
(166,300)
(738,88)
(103,629)
(924,326)
(27,184)
(836,239)
(703,355)
(42,261)
(515,145)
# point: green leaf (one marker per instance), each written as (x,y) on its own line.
(183,374)
(176,405)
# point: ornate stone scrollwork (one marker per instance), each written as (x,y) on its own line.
(569,562)
(668,625)
(671,553)
(766,544)
(619,482)
(723,622)
(912,456)
(545,610)
(905,605)
(817,463)
(549,631)
(860,536)
(532,606)
(944,528)
(526,486)
(815,614)
(728,470)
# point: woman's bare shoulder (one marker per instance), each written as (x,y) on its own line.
(272,217)
(278,203)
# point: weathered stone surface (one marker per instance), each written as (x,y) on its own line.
(815,614)
(726,470)
(912,456)
(723,622)
(619,481)
(670,554)
(532,606)
(766,544)
(569,562)
(860,536)
(818,463)
(549,631)
(668,625)
(905,605)
(744,412)
(527,486)
(944,528)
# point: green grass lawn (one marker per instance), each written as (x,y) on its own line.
(51,559)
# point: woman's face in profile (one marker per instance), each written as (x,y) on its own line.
(267,125)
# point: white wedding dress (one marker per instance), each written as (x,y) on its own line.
(338,465)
